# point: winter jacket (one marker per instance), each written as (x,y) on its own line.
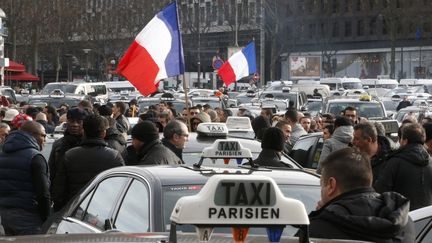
(173,148)
(378,160)
(59,149)
(122,124)
(341,138)
(155,153)
(362,214)
(16,184)
(296,133)
(116,141)
(408,171)
(80,166)
(269,157)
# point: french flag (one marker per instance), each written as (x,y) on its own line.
(156,53)
(239,65)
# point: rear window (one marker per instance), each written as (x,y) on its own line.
(66,88)
(309,195)
(364,109)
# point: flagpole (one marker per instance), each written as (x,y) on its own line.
(188,123)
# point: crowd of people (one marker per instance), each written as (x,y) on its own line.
(360,166)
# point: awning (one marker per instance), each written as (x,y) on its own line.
(15,67)
(22,76)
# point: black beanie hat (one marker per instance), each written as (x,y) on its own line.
(145,131)
(77,114)
(273,139)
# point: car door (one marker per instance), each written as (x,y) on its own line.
(304,151)
(94,212)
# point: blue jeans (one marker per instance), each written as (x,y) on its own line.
(17,221)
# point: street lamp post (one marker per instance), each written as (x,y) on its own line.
(86,51)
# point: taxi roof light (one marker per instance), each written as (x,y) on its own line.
(241,202)
(212,129)
(239,124)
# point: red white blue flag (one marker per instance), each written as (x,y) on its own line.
(239,65)
(156,53)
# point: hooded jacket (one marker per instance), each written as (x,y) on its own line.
(363,214)
(116,141)
(408,171)
(341,138)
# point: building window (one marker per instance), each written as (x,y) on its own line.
(312,30)
(372,26)
(348,28)
(335,6)
(359,5)
(360,28)
(335,29)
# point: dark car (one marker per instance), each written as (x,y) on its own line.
(141,199)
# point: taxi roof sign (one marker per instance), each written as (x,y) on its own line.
(212,129)
(238,123)
(226,148)
(239,201)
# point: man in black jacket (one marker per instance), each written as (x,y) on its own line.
(72,138)
(148,147)
(83,163)
(272,146)
(350,208)
(408,170)
(25,201)
(175,137)
(376,147)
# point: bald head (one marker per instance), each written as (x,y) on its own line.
(36,130)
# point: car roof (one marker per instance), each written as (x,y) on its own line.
(421,213)
(183,175)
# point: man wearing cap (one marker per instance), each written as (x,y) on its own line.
(10,115)
(72,138)
(148,147)
(25,201)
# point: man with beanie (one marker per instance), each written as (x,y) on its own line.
(408,170)
(82,163)
(341,138)
(148,147)
(25,201)
(272,146)
(72,138)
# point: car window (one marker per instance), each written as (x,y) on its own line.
(421,224)
(103,201)
(133,215)
(302,149)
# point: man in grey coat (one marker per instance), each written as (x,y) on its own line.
(341,138)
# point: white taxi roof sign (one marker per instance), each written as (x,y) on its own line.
(226,149)
(212,129)
(247,200)
(239,123)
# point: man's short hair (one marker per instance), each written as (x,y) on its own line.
(349,167)
(342,121)
(121,106)
(292,115)
(93,126)
(349,108)
(328,116)
(268,112)
(228,113)
(413,133)
(280,124)
(368,130)
(173,127)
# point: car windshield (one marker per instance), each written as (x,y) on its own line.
(352,85)
(314,107)
(308,195)
(212,103)
(365,109)
(390,105)
(66,88)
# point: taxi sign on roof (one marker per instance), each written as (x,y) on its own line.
(226,148)
(240,201)
(238,123)
(212,129)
